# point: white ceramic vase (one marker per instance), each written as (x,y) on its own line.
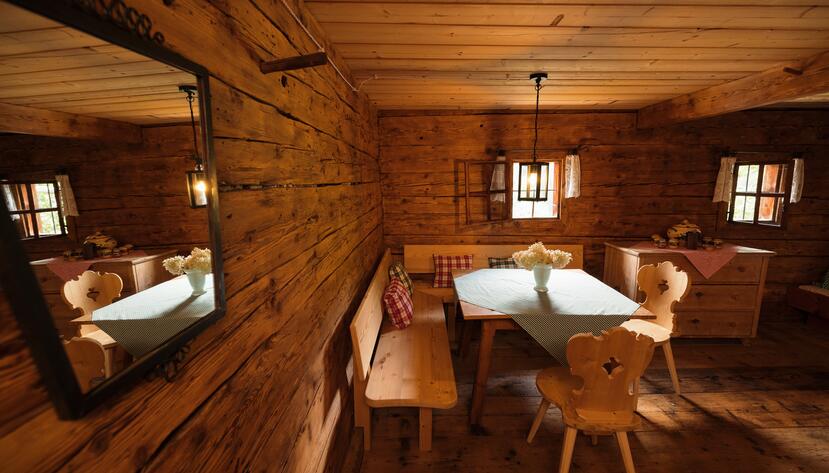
(542,276)
(196,279)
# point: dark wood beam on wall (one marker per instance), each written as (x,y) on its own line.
(35,121)
(295,62)
(778,84)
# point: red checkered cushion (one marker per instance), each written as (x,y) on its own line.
(398,304)
(444,266)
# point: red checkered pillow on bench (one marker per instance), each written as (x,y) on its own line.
(444,265)
(398,304)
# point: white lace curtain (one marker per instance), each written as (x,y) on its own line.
(725,180)
(572,176)
(67,197)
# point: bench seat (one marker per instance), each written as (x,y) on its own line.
(413,367)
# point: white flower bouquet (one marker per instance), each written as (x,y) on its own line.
(199,260)
(538,254)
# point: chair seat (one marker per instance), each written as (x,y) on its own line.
(658,333)
(556,384)
(101,337)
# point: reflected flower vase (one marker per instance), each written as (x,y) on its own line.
(196,279)
(542,272)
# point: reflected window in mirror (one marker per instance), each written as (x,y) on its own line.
(35,208)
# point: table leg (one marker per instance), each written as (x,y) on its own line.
(482,374)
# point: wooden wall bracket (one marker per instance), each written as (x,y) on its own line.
(295,62)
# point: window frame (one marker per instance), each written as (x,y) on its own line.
(758,193)
(32,211)
(559,162)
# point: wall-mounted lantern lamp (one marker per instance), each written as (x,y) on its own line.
(197,186)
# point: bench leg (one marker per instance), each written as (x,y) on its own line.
(362,412)
(425,429)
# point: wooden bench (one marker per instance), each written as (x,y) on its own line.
(412,367)
(421,266)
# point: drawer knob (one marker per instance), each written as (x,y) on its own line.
(698,294)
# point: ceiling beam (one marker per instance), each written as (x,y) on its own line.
(778,84)
(36,121)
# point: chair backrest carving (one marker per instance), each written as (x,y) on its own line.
(92,290)
(610,366)
(664,285)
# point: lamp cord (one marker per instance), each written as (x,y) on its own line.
(190,99)
(537,97)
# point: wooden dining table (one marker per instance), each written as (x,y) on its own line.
(491,322)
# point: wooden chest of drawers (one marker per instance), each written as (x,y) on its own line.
(138,273)
(726,305)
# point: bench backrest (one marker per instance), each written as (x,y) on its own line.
(418,258)
(365,327)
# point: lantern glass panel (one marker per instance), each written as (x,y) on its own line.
(532,181)
(197,188)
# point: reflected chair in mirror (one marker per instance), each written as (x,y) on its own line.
(599,392)
(664,285)
(89,361)
(88,292)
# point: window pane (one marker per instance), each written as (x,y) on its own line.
(48,223)
(753,174)
(16,196)
(771,209)
(742,178)
(744,208)
(44,196)
(774,178)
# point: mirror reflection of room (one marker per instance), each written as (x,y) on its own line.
(101,169)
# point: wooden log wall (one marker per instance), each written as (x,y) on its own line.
(634,182)
(134,192)
(268,387)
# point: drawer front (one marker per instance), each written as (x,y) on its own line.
(736,324)
(743,269)
(719,297)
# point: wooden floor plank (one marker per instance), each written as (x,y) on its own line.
(765,406)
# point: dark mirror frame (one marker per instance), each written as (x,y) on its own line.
(19,282)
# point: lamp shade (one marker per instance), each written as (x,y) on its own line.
(197,188)
(533,181)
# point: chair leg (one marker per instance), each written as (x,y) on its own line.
(567,449)
(542,411)
(669,357)
(624,447)
(594,440)
(425,429)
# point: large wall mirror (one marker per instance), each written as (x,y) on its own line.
(110,246)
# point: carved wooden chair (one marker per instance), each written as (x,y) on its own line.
(599,392)
(90,291)
(88,359)
(664,285)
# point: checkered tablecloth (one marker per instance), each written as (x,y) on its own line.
(147,319)
(576,303)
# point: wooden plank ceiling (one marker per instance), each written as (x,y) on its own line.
(600,54)
(46,65)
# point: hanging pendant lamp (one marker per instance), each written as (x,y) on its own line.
(197,178)
(533,176)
